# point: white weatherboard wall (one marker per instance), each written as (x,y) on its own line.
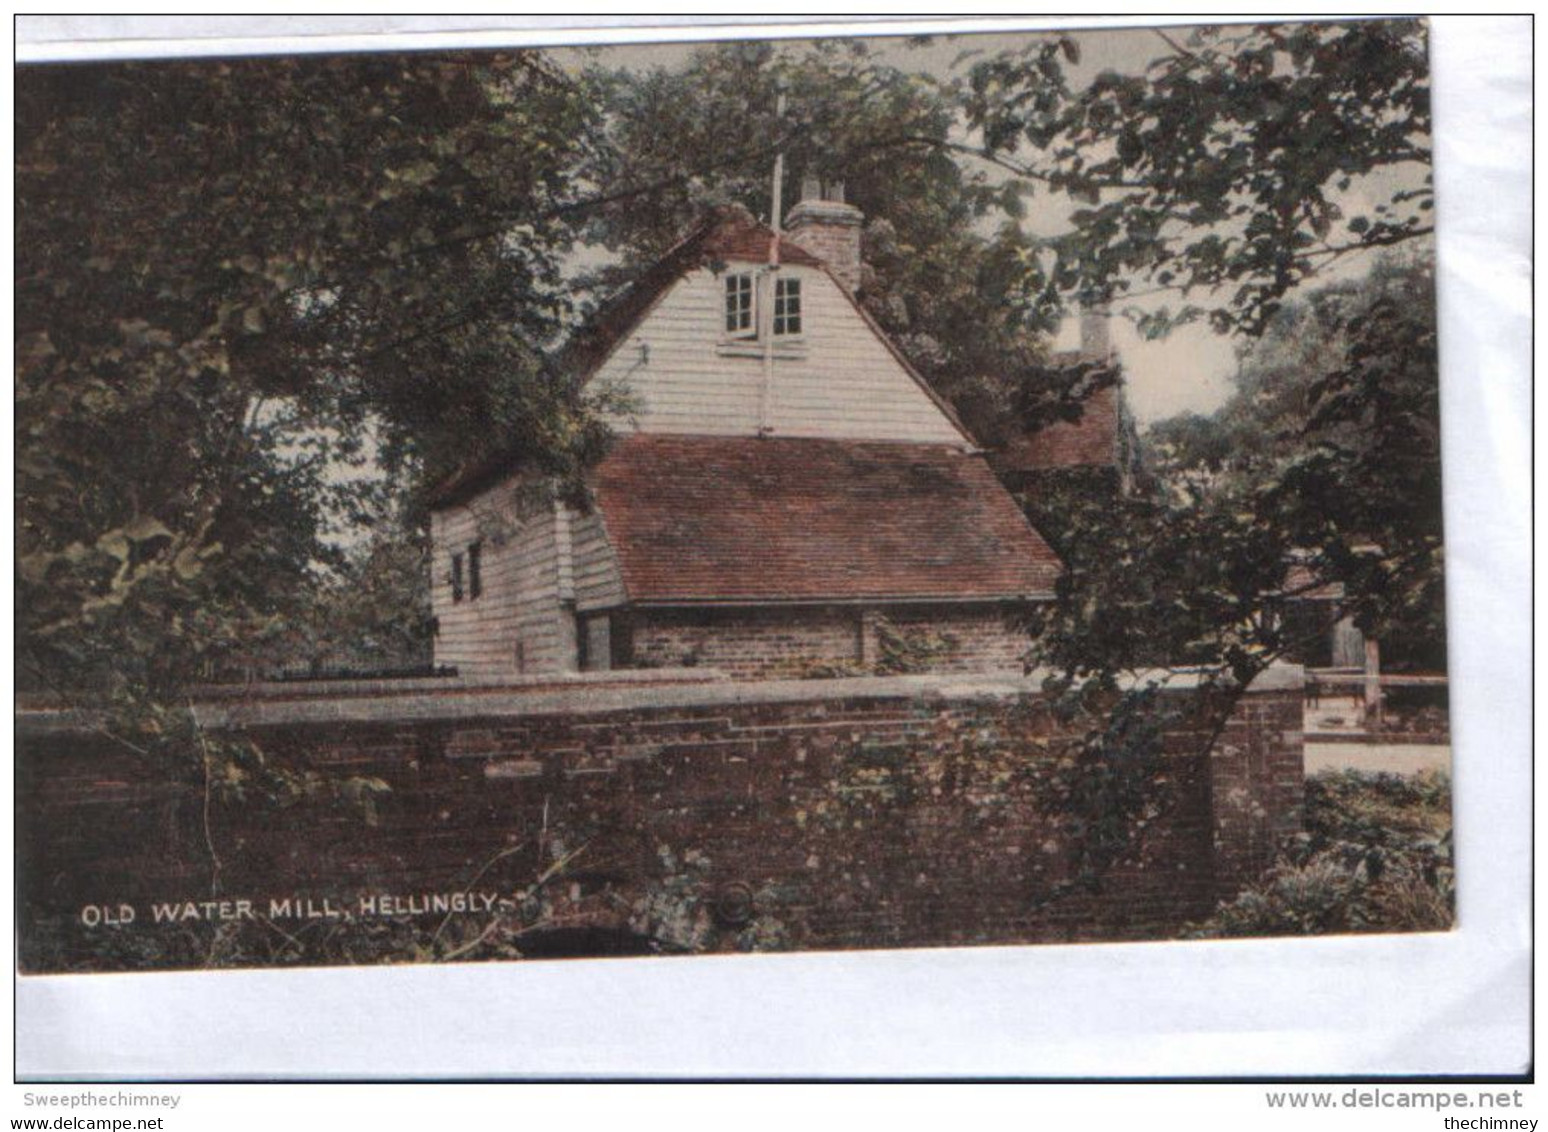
(837,380)
(598,582)
(519,622)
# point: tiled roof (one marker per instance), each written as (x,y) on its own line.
(1092,440)
(1303,583)
(707,519)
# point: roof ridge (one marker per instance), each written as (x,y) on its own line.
(656,436)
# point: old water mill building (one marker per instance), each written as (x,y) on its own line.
(788,496)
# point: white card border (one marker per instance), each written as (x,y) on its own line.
(1435,1004)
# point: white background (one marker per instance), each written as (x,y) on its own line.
(1452,1003)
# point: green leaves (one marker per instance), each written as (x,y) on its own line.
(1229,160)
(121,541)
(1376,856)
(945,286)
(226,271)
(1328,456)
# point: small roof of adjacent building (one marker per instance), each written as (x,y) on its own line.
(1091,440)
(700,519)
(1303,582)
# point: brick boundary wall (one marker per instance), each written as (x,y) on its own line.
(716,816)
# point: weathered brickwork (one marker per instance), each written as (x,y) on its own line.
(971,639)
(780,644)
(835,820)
(748,646)
(830,230)
(1257,776)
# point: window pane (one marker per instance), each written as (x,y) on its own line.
(787,306)
(475,569)
(739,304)
(456,577)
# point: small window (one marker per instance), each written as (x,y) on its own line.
(597,643)
(456,577)
(475,569)
(787,306)
(740,320)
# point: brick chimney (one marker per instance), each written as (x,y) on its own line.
(828,228)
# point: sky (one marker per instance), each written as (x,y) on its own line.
(1190,370)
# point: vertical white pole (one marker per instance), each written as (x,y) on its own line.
(767,287)
(777,209)
(1372,680)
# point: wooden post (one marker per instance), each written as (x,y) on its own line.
(768,288)
(1372,680)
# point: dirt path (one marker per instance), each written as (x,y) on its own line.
(1395,758)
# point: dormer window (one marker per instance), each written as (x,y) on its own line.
(741,317)
(743,293)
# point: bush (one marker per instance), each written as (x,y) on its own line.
(826,668)
(906,649)
(1317,898)
(1376,856)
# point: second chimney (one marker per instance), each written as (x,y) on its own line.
(828,228)
(1096,341)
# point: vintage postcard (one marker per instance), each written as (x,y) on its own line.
(783,495)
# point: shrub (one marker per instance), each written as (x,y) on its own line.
(1376,856)
(1316,898)
(906,649)
(826,668)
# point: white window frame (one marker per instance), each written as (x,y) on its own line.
(787,306)
(740,309)
(763,287)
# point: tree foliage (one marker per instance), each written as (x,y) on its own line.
(1329,450)
(1321,477)
(1261,425)
(942,250)
(1364,491)
(1242,161)
(234,275)
(230,275)
(370,612)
